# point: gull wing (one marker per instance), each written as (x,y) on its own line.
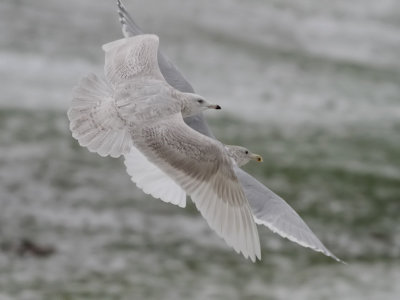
(149,178)
(268,208)
(203,169)
(273,212)
(170,72)
(129,58)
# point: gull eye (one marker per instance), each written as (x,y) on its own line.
(201,101)
(247,152)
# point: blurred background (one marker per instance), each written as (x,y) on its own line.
(312,85)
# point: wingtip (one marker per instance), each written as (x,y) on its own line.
(258,255)
(120,5)
(321,249)
(336,258)
(327,253)
(120,11)
(254,257)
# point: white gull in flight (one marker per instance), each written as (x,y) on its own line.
(267,207)
(135,112)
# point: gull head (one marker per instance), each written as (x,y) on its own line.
(194,104)
(242,155)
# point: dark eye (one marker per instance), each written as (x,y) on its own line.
(247,152)
(200,101)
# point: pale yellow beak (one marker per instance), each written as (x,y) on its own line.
(256,157)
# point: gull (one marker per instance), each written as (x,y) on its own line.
(135,109)
(268,208)
(153,181)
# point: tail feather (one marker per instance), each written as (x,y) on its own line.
(94,120)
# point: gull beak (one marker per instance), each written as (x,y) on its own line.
(256,157)
(214,106)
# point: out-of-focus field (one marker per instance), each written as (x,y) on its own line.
(312,86)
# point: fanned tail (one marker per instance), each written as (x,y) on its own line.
(94,119)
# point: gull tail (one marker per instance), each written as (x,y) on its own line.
(94,119)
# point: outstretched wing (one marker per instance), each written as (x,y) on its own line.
(132,57)
(152,180)
(203,169)
(273,212)
(268,208)
(170,72)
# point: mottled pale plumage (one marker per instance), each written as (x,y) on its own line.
(136,111)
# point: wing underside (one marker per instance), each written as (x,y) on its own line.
(203,169)
(149,178)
